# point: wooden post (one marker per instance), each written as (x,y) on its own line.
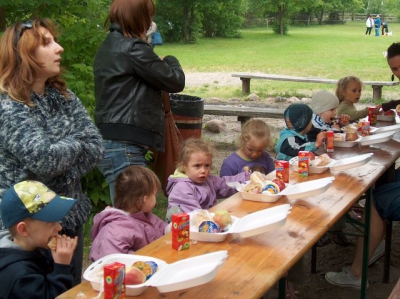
(245,85)
(376,92)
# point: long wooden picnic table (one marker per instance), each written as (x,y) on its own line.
(256,264)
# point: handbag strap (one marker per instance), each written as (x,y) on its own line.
(166,102)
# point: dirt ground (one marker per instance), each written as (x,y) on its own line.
(330,258)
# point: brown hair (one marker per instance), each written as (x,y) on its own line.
(342,85)
(255,129)
(193,145)
(393,51)
(19,67)
(133,16)
(132,185)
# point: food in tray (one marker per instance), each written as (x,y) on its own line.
(390,112)
(223,219)
(148,268)
(134,276)
(253,187)
(271,187)
(257,177)
(351,134)
(363,127)
(258,184)
(321,160)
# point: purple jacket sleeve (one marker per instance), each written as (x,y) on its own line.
(184,195)
(222,189)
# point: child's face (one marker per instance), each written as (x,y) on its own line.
(352,93)
(40,232)
(198,167)
(149,203)
(394,64)
(253,149)
(329,115)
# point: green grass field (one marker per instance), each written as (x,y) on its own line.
(327,51)
(317,51)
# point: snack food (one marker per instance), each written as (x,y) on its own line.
(257,177)
(280,184)
(148,268)
(321,160)
(253,187)
(272,188)
(52,243)
(223,219)
(339,137)
(389,113)
(351,135)
(202,216)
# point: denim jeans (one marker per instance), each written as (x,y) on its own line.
(119,155)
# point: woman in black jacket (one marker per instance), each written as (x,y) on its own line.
(129,80)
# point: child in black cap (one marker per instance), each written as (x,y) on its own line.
(32,213)
(294,138)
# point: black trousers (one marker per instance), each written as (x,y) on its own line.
(368,31)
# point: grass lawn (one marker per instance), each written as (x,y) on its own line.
(328,51)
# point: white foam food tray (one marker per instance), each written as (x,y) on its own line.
(376,138)
(264,197)
(381,117)
(393,128)
(346,163)
(296,191)
(343,143)
(183,274)
(251,225)
(294,162)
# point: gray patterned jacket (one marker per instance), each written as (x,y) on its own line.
(54,142)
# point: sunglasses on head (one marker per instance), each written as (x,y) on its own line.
(18,33)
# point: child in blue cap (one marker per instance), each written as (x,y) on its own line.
(293,138)
(28,269)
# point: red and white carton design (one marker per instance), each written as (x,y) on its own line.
(180,231)
(114,281)
(373,115)
(282,170)
(364,128)
(330,136)
(304,163)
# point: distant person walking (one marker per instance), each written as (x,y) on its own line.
(370,24)
(377,25)
(149,33)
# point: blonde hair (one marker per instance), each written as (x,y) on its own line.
(19,67)
(255,129)
(193,145)
(342,85)
(132,185)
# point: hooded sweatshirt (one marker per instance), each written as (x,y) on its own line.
(117,231)
(189,196)
(30,274)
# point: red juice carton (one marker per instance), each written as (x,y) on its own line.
(304,163)
(180,231)
(330,136)
(282,170)
(364,128)
(373,115)
(114,281)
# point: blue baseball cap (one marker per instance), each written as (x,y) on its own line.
(33,199)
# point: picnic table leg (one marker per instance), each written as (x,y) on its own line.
(243,120)
(367,222)
(376,92)
(245,85)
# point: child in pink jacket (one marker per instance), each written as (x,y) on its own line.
(192,186)
(130,224)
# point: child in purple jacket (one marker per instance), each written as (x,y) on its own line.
(192,186)
(130,224)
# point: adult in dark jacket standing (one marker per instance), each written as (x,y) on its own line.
(129,80)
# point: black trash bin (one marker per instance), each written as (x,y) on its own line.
(187,112)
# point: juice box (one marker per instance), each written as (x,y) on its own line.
(180,231)
(114,281)
(373,115)
(330,136)
(304,163)
(364,128)
(282,170)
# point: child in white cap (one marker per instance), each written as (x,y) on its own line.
(32,212)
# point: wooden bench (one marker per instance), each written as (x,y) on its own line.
(246,77)
(243,113)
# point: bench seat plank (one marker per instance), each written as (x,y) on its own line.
(246,77)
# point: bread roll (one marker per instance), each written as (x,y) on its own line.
(257,177)
(203,215)
(52,243)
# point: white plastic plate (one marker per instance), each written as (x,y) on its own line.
(376,138)
(253,224)
(386,117)
(264,197)
(343,143)
(208,237)
(183,274)
(313,169)
(190,272)
(393,128)
(351,162)
(307,189)
(92,272)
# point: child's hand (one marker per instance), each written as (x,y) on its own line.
(320,139)
(344,120)
(64,250)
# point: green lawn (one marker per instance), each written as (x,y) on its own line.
(328,51)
